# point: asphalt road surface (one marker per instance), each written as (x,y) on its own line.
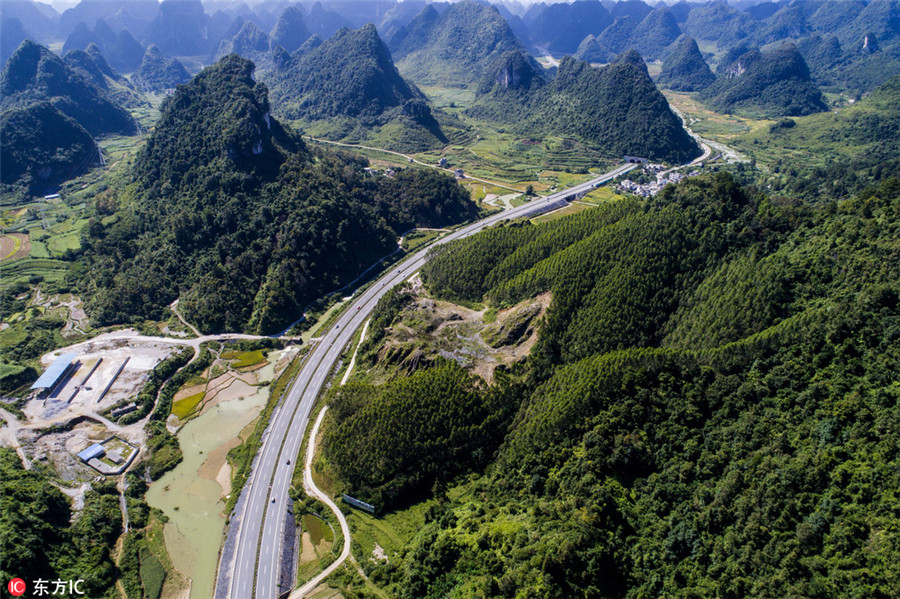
(259,532)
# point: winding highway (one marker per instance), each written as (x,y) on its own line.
(252,569)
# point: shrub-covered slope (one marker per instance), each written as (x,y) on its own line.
(833,154)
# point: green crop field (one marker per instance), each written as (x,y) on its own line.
(184,407)
(153,574)
(248,358)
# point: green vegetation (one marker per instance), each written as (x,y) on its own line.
(248,358)
(615,109)
(416,239)
(391,443)
(143,564)
(158,74)
(50,112)
(833,155)
(234,214)
(42,147)
(685,69)
(652,36)
(177,381)
(715,365)
(774,83)
(351,75)
(38,537)
(182,408)
(165,453)
(456,46)
(34,74)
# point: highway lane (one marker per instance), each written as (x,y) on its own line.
(260,528)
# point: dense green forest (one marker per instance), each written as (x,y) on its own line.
(50,113)
(389,463)
(38,538)
(35,74)
(711,409)
(615,109)
(230,211)
(43,147)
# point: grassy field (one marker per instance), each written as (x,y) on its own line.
(713,125)
(601,194)
(413,241)
(556,214)
(449,97)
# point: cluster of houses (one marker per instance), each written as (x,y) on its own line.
(650,189)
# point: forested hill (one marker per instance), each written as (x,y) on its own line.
(232,213)
(351,75)
(685,69)
(775,82)
(35,74)
(42,147)
(454,47)
(712,407)
(157,73)
(615,109)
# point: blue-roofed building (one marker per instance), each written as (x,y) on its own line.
(61,368)
(94,451)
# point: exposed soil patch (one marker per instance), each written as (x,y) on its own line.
(427,327)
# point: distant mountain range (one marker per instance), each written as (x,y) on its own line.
(445,41)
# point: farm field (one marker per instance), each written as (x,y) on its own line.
(16,245)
